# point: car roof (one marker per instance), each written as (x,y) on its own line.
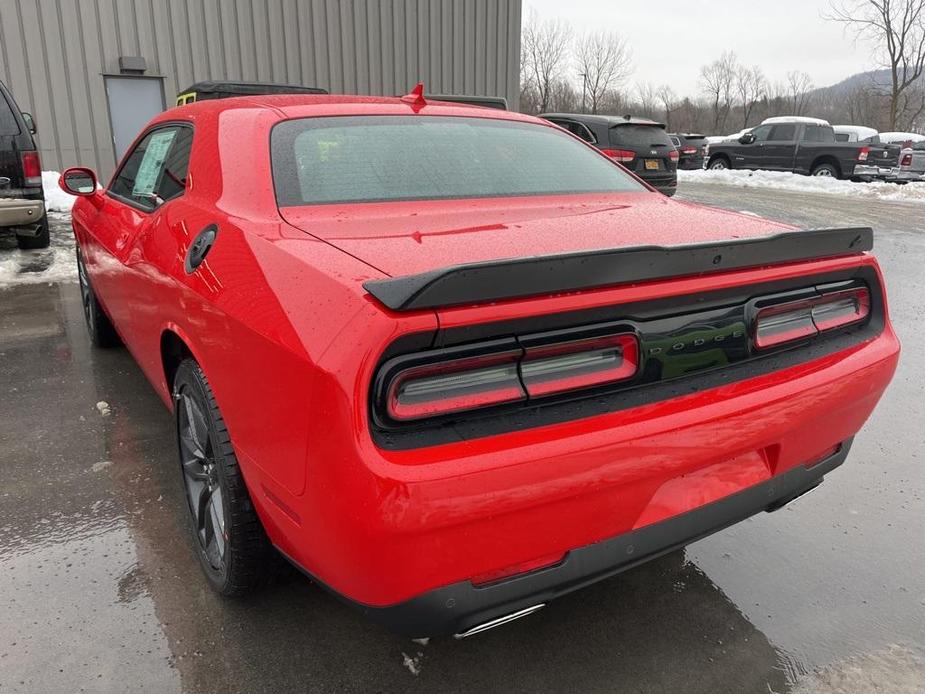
(794,119)
(605,119)
(309,105)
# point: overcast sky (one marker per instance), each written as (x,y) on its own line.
(671,39)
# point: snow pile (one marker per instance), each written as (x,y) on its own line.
(56,200)
(53,264)
(784,180)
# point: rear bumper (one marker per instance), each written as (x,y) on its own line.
(869,171)
(19,212)
(456,608)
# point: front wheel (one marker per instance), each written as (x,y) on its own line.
(228,538)
(825,171)
(718,164)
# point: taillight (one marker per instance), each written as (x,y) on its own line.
(455,385)
(863,153)
(579,364)
(674,155)
(32,168)
(463,384)
(797,320)
(621,155)
(906,160)
(689,150)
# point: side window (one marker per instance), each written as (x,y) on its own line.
(576,129)
(8,124)
(785,132)
(761,133)
(155,171)
(818,133)
(842,137)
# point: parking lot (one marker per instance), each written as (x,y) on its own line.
(99,590)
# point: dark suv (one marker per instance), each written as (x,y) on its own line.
(691,146)
(639,144)
(22,203)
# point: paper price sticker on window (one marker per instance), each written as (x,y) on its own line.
(152,162)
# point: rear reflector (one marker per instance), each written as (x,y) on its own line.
(31,168)
(796,320)
(579,364)
(621,155)
(464,384)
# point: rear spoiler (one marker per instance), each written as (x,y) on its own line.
(497,280)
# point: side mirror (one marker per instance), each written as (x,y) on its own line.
(747,138)
(78,180)
(30,122)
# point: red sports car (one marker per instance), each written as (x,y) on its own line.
(454,362)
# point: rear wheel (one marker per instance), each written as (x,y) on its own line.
(40,240)
(102,332)
(719,164)
(825,171)
(228,538)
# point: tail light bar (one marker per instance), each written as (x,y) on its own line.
(863,153)
(689,150)
(621,155)
(31,168)
(796,320)
(473,382)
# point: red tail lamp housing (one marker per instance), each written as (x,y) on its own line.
(457,385)
(623,156)
(906,160)
(689,150)
(863,153)
(796,320)
(32,168)
(674,155)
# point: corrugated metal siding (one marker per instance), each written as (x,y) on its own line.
(53,53)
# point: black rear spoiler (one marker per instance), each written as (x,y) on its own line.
(519,277)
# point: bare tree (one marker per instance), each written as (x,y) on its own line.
(669,103)
(751,87)
(716,82)
(799,85)
(645,92)
(897,30)
(604,63)
(544,55)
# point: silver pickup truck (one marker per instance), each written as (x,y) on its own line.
(912,163)
(22,202)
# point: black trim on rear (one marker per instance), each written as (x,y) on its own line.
(455,608)
(521,277)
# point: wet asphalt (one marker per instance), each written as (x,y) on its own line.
(99,591)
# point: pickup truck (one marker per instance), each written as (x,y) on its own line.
(804,148)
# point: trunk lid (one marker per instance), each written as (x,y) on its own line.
(405,238)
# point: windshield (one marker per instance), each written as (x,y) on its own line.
(384,158)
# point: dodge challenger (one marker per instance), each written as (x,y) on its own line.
(454,362)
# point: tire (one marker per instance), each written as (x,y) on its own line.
(825,171)
(102,333)
(228,538)
(719,164)
(41,240)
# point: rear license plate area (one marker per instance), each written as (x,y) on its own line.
(651,164)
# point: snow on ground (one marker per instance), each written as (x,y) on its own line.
(56,200)
(783,180)
(894,670)
(53,264)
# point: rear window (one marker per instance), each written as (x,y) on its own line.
(8,124)
(385,158)
(639,136)
(696,141)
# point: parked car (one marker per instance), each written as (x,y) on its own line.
(641,145)
(453,362)
(22,201)
(224,89)
(691,147)
(901,138)
(803,146)
(912,164)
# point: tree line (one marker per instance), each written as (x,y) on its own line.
(591,73)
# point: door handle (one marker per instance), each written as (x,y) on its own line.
(200,247)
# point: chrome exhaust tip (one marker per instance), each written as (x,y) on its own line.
(497,622)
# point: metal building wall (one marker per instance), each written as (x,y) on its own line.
(54,53)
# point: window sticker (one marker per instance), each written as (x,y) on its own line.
(153,161)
